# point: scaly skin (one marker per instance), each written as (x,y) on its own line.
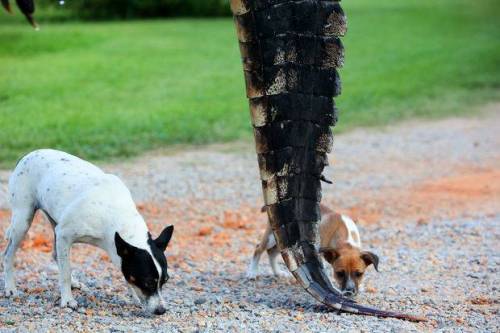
(290,51)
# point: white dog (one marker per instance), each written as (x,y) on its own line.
(85,205)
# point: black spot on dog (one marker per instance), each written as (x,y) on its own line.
(158,247)
(138,267)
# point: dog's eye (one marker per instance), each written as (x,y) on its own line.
(340,274)
(358,274)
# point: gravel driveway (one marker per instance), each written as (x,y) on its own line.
(426,196)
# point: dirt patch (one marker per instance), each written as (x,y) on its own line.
(468,192)
(425,195)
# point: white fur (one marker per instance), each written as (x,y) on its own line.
(253,267)
(88,205)
(351,229)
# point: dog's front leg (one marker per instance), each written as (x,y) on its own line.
(63,247)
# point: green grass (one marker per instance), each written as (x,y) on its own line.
(104,90)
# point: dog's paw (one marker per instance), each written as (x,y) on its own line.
(69,303)
(280,274)
(251,275)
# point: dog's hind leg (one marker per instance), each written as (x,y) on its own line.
(264,244)
(273,256)
(20,224)
(63,244)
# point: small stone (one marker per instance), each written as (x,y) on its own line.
(421,221)
(200,301)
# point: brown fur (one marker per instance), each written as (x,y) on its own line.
(349,263)
(332,230)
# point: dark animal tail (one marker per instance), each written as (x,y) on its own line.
(290,51)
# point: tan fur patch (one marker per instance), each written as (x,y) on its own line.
(349,261)
(333,230)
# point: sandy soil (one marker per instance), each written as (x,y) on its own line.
(426,196)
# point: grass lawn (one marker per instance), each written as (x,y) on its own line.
(104,90)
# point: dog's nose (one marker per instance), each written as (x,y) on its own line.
(160,310)
(349,292)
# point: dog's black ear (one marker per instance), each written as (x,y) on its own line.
(123,248)
(162,241)
(329,253)
(370,258)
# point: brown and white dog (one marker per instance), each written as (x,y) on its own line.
(340,246)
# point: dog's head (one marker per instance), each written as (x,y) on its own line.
(146,269)
(349,265)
